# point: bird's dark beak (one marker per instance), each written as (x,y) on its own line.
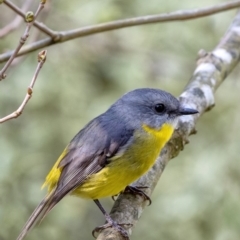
(187,111)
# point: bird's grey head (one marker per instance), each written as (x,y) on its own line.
(152,107)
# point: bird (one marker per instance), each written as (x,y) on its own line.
(112,151)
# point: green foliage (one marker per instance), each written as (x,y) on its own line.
(197,196)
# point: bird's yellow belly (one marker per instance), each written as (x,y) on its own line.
(137,159)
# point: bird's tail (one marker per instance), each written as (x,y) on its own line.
(38,214)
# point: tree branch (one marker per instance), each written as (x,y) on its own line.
(43,28)
(41,60)
(16,21)
(212,68)
(63,36)
(29,18)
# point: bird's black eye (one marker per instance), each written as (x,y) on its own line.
(159,108)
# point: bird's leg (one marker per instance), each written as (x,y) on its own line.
(110,223)
(138,191)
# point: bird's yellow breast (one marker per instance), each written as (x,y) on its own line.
(127,167)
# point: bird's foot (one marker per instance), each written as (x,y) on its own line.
(138,191)
(112,224)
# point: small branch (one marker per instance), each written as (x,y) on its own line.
(41,60)
(63,36)
(16,21)
(29,18)
(212,68)
(34,36)
(37,24)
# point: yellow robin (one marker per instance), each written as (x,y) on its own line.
(112,151)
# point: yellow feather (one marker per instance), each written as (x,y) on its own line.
(54,175)
(123,169)
(132,164)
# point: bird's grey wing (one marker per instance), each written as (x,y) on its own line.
(90,151)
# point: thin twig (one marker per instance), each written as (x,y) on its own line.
(29,17)
(37,24)
(63,36)
(34,35)
(16,21)
(41,60)
(212,68)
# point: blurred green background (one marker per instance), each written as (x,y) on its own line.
(198,195)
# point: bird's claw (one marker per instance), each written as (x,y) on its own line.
(114,225)
(138,191)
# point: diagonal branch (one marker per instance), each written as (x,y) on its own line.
(29,18)
(59,37)
(41,60)
(22,14)
(212,68)
(16,21)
